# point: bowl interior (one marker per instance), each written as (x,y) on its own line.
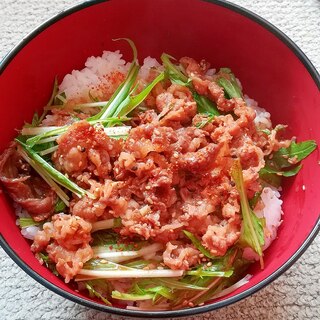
(269,70)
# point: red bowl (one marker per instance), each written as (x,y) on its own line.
(272,69)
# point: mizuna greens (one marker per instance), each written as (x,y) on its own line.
(175,74)
(156,176)
(252,232)
(286,162)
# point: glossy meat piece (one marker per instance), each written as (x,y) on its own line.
(24,186)
(85,148)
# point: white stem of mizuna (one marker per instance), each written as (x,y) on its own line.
(94,274)
(147,252)
(102,225)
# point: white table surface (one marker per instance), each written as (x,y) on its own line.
(295,295)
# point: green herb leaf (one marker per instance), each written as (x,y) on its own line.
(281,166)
(92,287)
(162,291)
(138,264)
(151,286)
(133,102)
(121,95)
(38,138)
(205,105)
(293,171)
(173,71)
(299,151)
(270,177)
(43,146)
(59,206)
(197,243)
(252,233)
(239,266)
(131,296)
(204,122)
(28,222)
(230,90)
(48,262)
(229,83)
(51,172)
(253,201)
(177,284)
(266,131)
(209,273)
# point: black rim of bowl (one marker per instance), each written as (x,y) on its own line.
(183,312)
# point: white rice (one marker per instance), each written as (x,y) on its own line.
(20,212)
(77,84)
(263,118)
(28,232)
(271,210)
(148,64)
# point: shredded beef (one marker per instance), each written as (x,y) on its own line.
(170,174)
(66,239)
(24,186)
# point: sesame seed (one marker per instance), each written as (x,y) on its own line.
(201,255)
(303,187)
(176,155)
(201,304)
(190,304)
(209,264)
(199,203)
(148,187)
(79,147)
(160,268)
(103,261)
